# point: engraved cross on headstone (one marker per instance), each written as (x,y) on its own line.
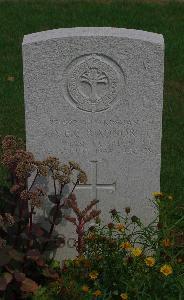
(94,186)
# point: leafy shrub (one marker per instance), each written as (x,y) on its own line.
(23,242)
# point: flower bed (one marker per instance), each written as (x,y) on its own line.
(123,259)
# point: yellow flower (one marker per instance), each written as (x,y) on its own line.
(93,275)
(85,288)
(166,243)
(97,293)
(166,270)
(126,245)
(150,261)
(120,227)
(170,197)
(157,194)
(10,78)
(136,251)
(91,237)
(124,296)
(81,258)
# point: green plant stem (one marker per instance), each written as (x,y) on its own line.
(54,219)
(19,225)
(77,182)
(33,182)
(30,226)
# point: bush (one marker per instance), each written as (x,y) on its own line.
(23,242)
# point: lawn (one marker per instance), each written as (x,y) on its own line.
(18,18)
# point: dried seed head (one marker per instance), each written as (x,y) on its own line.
(41,168)
(9,142)
(35,199)
(127,210)
(24,170)
(22,155)
(8,159)
(110,225)
(65,169)
(52,162)
(63,179)
(25,195)
(74,165)
(82,177)
(134,219)
(113,212)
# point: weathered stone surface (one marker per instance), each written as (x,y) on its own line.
(95,95)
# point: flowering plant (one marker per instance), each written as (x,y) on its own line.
(23,241)
(126,259)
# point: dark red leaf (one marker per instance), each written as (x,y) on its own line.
(8,277)
(29,286)
(40,262)
(3,284)
(14,254)
(33,254)
(19,277)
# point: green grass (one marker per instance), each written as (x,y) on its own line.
(18,18)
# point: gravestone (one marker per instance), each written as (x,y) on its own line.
(95,95)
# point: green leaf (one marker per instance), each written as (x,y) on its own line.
(54,198)
(19,277)
(55,215)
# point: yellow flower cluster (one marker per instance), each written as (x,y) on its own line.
(157,194)
(97,293)
(126,245)
(166,243)
(150,261)
(136,251)
(166,270)
(124,296)
(85,289)
(93,275)
(120,227)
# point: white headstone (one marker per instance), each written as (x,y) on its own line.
(95,95)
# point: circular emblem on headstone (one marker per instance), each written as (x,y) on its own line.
(93,82)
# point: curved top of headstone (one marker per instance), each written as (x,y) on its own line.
(94,31)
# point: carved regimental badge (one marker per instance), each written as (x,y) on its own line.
(93,82)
